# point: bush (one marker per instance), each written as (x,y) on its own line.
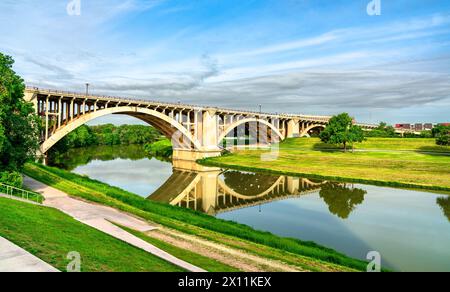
(12,178)
(161,148)
(443,140)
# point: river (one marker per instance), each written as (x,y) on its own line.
(410,229)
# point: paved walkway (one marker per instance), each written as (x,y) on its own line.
(100,218)
(16,259)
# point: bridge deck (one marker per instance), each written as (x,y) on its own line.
(144,102)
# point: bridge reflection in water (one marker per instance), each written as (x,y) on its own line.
(214,191)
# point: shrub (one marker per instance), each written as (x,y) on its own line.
(443,140)
(12,178)
(161,148)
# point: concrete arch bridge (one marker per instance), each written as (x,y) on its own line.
(196,132)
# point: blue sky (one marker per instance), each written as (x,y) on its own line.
(296,56)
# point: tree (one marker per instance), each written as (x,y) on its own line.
(341,130)
(383,130)
(442,135)
(443,140)
(19,125)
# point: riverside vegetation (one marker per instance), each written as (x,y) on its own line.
(107,135)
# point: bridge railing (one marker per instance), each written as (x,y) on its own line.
(146,101)
(12,191)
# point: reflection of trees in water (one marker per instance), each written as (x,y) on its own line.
(249,184)
(341,200)
(444,203)
(82,156)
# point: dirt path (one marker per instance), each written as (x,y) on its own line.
(222,253)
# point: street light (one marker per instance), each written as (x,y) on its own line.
(87,89)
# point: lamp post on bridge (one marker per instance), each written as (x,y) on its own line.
(87,89)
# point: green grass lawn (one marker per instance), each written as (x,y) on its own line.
(396,162)
(51,235)
(307,255)
(397,144)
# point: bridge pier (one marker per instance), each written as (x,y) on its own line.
(293,129)
(186,159)
(194,155)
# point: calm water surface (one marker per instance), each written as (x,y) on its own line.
(410,229)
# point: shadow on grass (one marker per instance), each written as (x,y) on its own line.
(323,147)
(434,150)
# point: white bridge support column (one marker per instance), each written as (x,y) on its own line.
(72,111)
(207,134)
(293,129)
(210,127)
(46,118)
(59,112)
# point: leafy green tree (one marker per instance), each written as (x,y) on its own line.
(443,140)
(440,130)
(442,135)
(383,130)
(341,130)
(426,134)
(19,125)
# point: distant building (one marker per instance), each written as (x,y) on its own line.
(428,126)
(418,127)
(403,126)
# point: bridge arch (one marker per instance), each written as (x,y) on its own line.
(304,133)
(166,125)
(236,124)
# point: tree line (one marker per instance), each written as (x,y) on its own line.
(107,134)
(341,130)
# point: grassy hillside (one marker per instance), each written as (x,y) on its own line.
(51,235)
(308,255)
(395,162)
